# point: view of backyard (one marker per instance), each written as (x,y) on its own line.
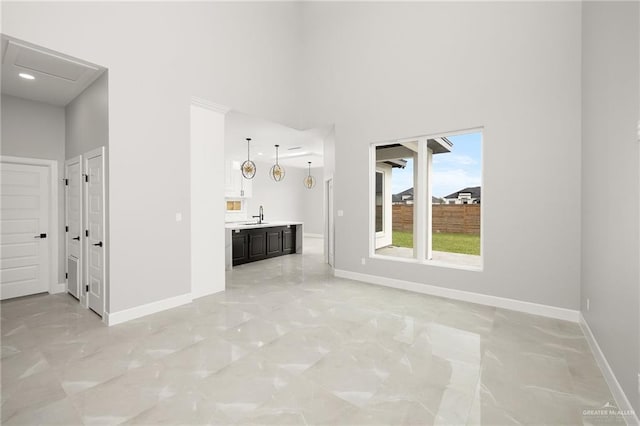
(452,208)
(451,243)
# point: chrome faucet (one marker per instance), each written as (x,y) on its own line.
(260,215)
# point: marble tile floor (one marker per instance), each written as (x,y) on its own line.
(288,343)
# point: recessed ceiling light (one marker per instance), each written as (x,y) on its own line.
(260,153)
(26,76)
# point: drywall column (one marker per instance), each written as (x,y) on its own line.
(610,270)
(207,198)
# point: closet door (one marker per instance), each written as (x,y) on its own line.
(74,230)
(95,229)
(24,222)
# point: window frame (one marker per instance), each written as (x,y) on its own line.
(422,246)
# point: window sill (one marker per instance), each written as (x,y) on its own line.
(436,263)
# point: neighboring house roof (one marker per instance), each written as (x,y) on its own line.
(475,192)
(407,195)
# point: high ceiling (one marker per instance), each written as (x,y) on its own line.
(297,147)
(57,78)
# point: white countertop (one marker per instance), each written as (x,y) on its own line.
(267,224)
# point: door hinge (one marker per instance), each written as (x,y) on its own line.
(66,228)
(66,275)
(86,178)
(86,288)
(66,182)
(86,233)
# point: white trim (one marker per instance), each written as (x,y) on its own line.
(614,386)
(438,263)
(59,288)
(311,235)
(203,103)
(195,296)
(466,296)
(53,230)
(119,317)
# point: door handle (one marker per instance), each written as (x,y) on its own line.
(98,244)
(41,236)
(76,238)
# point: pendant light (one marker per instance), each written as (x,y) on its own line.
(309,181)
(277,171)
(248,167)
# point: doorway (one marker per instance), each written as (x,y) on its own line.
(28,227)
(330,228)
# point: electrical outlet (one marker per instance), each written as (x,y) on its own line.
(364,261)
(588,304)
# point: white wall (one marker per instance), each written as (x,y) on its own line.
(159,55)
(87,119)
(381,71)
(207,212)
(611,184)
(37,130)
(282,200)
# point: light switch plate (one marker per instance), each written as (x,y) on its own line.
(340,213)
(178,217)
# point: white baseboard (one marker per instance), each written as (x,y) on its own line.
(466,296)
(58,288)
(195,296)
(622,401)
(114,318)
(310,235)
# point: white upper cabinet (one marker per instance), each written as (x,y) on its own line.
(236,186)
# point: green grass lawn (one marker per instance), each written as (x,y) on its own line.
(451,243)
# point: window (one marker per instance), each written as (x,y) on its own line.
(394,166)
(379,201)
(427,199)
(234,205)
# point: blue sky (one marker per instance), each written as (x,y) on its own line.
(451,171)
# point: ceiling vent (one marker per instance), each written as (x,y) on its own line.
(39,61)
(58,78)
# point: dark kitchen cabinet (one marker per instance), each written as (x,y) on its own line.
(257,244)
(274,244)
(288,240)
(250,245)
(240,247)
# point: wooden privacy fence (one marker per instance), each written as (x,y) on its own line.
(447,218)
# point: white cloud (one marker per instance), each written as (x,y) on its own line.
(448,181)
(454,160)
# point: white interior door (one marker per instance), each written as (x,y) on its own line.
(24,222)
(95,226)
(73,214)
(330,225)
